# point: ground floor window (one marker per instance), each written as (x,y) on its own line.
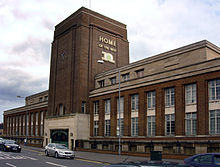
(151,126)
(214,121)
(134,126)
(191,123)
(96,128)
(107,127)
(170,124)
(121,127)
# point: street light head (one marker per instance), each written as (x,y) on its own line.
(100,61)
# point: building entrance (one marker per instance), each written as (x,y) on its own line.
(59,136)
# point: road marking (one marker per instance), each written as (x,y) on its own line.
(31,158)
(10,165)
(97,162)
(55,164)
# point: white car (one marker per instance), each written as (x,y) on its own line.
(59,151)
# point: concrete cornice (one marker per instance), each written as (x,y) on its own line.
(26,108)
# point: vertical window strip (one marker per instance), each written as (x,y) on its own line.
(121,105)
(214,122)
(134,103)
(170,124)
(151,99)
(96,128)
(134,126)
(169,97)
(151,126)
(191,123)
(214,89)
(107,127)
(107,107)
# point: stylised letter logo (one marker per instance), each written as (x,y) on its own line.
(107,57)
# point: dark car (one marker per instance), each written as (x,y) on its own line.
(149,164)
(204,160)
(10,145)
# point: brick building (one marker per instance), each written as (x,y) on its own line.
(169,102)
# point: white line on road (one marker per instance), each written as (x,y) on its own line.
(55,164)
(10,165)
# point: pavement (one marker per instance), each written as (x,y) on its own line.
(104,158)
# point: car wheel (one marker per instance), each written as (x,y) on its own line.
(56,155)
(46,153)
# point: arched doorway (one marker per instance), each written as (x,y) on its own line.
(59,136)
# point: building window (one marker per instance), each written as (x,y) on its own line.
(151,126)
(170,124)
(45,98)
(134,126)
(107,107)
(151,100)
(214,122)
(134,103)
(191,123)
(40,99)
(101,83)
(214,89)
(83,107)
(140,73)
(36,127)
(169,97)
(126,77)
(107,127)
(96,108)
(61,109)
(96,128)
(121,105)
(190,93)
(32,124)
(113,80)
(121,127)
(41,123)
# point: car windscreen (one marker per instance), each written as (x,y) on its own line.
(9,142)
(61,146)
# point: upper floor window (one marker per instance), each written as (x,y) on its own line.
(134,126)
(121,105)
(126,77)
(96,107)
(107,127)
(61,109)
(134,102)
(40,99)
(101,83)
(214,89)
(190,93)
(45,98)
(107,106)
(96,128)
(151,99)
(113,80)
(140,73)
(151,126)
(169,97)
(121,127)
(83,107)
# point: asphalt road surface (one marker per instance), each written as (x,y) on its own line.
(32,158)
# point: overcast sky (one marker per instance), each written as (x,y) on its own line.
(154,26)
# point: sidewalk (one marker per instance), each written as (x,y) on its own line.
(104,158)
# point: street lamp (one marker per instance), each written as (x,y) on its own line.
(119,111)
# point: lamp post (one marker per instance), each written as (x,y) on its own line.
(119,110)
(25,142)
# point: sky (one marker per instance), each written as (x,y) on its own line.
(154,26)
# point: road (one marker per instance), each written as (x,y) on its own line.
(33,158)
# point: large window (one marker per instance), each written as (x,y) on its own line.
(121,127)
(190,93)
(134,102)
(191,123)
(101,83)
(140,73)
(107,106)
(151,126)
(96,107)
(151,100)
(96,128)
(36,124)
(134,126)
(170,124)
(169,97)
(121,105)
(83,107)
(214,121)
(107,127)
(113,80)
(41,123)
(214,89)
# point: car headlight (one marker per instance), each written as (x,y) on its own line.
(8,146)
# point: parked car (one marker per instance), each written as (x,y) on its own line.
(149,164)
(204,160)
(58,151)
(9,145)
